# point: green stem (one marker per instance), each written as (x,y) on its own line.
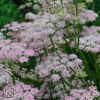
(69,84)
(63,83)
(54,46)
(50,88)
(61,90)
(93,6)
(76,5)
(45,51)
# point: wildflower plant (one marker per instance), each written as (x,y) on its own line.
(56,51)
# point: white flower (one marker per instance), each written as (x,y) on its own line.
(55,77)
(43,73)
(65,73)
(30,16)
(77,62)
(64,60)
(72,56)
(70,64)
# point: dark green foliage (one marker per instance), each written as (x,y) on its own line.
(97,10)
(97,5)
(8,12)
(18,2)
(30,64)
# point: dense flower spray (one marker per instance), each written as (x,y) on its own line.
(5,75)
(15,51)
(83,94)
(64,43)
(36,33)
(89,44)
(18,91)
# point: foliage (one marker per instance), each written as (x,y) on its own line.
(57,51)
(8,12)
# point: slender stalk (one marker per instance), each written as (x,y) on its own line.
(61,90)
(63,83)
(93,6)
(67,83)
(54,46)
(51,97)
(78,35)
(45,51)
(76,6)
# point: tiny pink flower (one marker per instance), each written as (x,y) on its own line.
(30,52)
(23,59)
(28,97)
(69,98)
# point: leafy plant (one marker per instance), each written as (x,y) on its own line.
(9,12)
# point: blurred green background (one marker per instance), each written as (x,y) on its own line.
(9,11)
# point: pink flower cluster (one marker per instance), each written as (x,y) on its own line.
(89,43)
(87,16)
(36,33)
(83,94)
(90,30)
(5,75)
(19,91)
(60,73)
(15,51)
(53,65)
(54,69)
